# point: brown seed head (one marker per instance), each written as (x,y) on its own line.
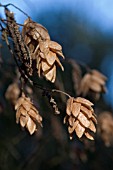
(105,127)
(80,117)
(42,49)
(27,115)
(48,58)
(93,81)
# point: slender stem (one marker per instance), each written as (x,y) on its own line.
(59,91)
(16,8)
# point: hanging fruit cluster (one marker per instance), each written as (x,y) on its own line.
(44,51)
(33,50)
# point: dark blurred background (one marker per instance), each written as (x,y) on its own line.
(84,28)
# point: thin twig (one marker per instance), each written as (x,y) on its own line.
(59,91)
(15,7)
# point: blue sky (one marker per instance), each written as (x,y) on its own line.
(96,12)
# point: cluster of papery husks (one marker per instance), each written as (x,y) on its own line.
(105,127)
(80,117)
(44,51)
(93,81)
(26,114)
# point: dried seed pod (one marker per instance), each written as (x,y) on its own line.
(98,74)
(94,82)
(49,59)
(27,114)
(69,106)
(105,127)
(42,49)
(80,117)
(33,34)
(12,92)
(50,74)
(35,30)
(56,48)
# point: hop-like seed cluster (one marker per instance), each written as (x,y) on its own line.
(80,117)
(26,114)
(105,127)
(93,81)
(42,49)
